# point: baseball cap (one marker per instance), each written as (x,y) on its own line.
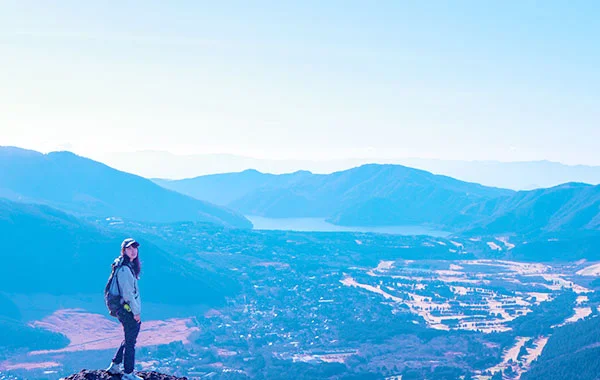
(129,242)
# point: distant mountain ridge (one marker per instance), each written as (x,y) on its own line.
(83,186)
(223,189)
(515,175)
(380,195)
(567,207)
(367,195)
(518,175)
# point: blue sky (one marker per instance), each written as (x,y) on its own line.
(474,80)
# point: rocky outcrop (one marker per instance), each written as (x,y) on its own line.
(103,375)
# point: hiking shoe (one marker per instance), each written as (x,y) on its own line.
(130,376)
(114,369)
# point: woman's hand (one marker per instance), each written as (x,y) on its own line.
(137,318)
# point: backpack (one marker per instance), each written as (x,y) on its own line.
(113,301)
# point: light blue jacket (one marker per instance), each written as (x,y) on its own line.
(127,287)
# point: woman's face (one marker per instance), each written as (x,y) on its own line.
(131,252)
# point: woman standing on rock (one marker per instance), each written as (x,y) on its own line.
(127,268)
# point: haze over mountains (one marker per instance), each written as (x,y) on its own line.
(223,189)
(525,175)
(369,195)
(380,195)
(89,188)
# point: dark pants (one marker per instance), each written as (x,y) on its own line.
(126,352)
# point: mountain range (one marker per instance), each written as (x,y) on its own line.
(370,195)
(223,189)
(89,188)
(379,195)
(564,208)
(518,175)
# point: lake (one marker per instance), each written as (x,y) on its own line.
(320,225)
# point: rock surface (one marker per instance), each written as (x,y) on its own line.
(103,375)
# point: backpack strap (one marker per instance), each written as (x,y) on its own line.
(117,277)
(114,276)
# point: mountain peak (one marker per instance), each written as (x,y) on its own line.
(103,375)
(375,166)
(573,185)
(63,153)
(83,186)
(302,172)
(251,171)
(16,151)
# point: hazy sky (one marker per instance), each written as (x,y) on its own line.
(498,80)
